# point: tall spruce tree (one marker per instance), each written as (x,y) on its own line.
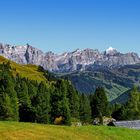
(8,93)
(42,104)
(24,100)
(99,103)
(6,112)
(59,103)
(9,89)
(73,98)
(55,105)
(85,109)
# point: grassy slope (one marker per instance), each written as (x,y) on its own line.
(28,71)
(30,131)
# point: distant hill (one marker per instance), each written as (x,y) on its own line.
(115,81)
(123,98)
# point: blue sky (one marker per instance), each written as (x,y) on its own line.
(65,25)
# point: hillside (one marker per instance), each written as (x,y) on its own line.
(123,98)
(115,81)
(31,131)
(29,71)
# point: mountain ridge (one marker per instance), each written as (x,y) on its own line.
(78,60)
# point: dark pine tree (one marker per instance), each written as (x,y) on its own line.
(24,100)
(42,104)
(59,103)
(73,98)
(8,93)
(6,112)
(85,109)
(99,104)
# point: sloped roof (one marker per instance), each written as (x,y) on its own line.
(129,124)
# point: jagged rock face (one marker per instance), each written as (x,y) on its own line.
(77,60)
(67,62)
(119,59)
(14,53)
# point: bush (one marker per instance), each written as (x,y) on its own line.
(58,120)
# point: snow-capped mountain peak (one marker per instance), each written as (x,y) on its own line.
(111,51)
(70,61)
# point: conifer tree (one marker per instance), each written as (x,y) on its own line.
(8,93)
(32,89)
(5,106)
(59,103)
(85,109)
(73,98)
(24,100)
(99,103)
(42,105)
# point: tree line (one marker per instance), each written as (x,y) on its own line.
(56,101)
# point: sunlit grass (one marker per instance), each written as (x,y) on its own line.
(29,71)
(32,131)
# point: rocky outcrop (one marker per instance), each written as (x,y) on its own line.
(70,61)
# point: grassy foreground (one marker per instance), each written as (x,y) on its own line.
(31,131)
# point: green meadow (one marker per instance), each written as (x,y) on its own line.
(28,71)
(33,131)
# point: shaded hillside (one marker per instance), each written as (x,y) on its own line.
(116,81)
(123,98)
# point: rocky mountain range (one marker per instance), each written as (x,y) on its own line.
(78,60)
(86,69)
